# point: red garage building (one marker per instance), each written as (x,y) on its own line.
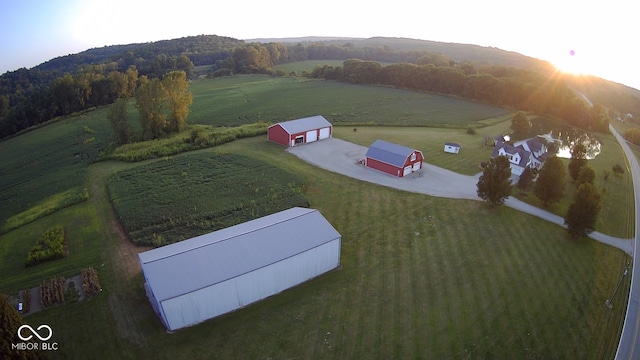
(300,131)
(393,159)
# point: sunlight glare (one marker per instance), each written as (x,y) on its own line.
(571,62)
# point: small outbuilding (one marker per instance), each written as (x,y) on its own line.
(452,148)
(393,159)
(300,131)
(200,278)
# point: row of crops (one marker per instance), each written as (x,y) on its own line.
(186,196)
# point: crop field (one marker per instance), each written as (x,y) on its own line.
(185,196)
(247,99)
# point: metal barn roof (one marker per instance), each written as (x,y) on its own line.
(208,259)
(389,153)
(304,124)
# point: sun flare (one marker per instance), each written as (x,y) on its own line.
(571,63)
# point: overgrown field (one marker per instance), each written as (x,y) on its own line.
(247,99)
(421,277)
(185,196)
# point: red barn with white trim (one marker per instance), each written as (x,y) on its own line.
(394,159)
(300,131)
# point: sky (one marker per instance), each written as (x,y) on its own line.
(585,37)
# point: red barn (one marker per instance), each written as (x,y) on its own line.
(300,131)
(393,159)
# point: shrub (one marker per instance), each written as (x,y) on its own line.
(50,247)
(471,130)
(617,169)
(90,282)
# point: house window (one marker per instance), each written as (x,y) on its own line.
(413,157)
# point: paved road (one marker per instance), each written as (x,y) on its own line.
(342,157)
(629,346)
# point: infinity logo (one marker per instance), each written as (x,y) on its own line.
(35,333)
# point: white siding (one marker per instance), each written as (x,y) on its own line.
(229,295)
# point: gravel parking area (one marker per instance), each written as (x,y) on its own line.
(342,157)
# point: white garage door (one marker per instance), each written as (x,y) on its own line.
(325,133)
(312,136)
(417,166)
(407,170)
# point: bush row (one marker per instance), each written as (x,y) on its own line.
(90,282)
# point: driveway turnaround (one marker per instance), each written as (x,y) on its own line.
(344,157)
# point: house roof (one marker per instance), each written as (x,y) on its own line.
(196,263)
(532,144)
(453,144)
(389,153)
(525,156)
(304,124)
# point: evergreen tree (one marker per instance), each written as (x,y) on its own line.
(578,160)
(583,213)
(549,186)
(494,185)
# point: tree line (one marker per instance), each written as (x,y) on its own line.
(30,97)
(503,86)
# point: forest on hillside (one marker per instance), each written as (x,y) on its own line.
(99,76)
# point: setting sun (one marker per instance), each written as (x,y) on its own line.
(572,62)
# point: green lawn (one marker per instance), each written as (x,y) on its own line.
(431,142)
(421,277)
(84,243)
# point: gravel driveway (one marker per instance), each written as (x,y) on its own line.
(342,157)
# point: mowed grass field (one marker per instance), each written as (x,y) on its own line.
(421,277)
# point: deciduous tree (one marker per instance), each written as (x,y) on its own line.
(583,213)
(179,99)
(520,123)
(526,178)
(151,103)
(578,160)
(549,187)
(10,321)
(119,119)
(587,175)
(494,185)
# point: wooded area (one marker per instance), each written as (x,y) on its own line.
(97,77)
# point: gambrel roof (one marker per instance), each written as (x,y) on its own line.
(389,153)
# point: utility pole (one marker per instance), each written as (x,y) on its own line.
(626,271)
